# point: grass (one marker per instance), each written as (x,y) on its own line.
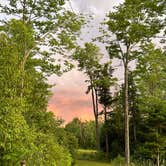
(88,157)
(90,163)
(89,154)
(88,151)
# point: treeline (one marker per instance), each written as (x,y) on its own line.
(84,133)
(32,33)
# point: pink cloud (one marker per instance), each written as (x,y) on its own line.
(71,103)
(69,99)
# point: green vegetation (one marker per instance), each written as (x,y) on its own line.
(129,125)
(90,163)
(28,132)
(84,132)
(134,115)
(89,157)
(87,154)
(93,157)
(87,151)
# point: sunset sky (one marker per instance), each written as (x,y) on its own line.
(69,99)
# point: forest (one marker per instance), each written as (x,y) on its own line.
(40,38)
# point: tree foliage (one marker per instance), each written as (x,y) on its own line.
(28,131)
(84,132)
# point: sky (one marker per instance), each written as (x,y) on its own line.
(69,99)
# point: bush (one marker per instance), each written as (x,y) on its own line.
(48,153)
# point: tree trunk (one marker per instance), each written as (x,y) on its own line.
(127,144)
(158,151)
(97,122)
(135,133)
(134,121)
(97,134)
(96,119)
(106,134)
(158,158)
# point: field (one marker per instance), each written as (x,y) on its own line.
(90,163)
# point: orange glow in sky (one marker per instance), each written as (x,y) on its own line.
(69,99)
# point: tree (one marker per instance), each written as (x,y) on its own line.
(31,25)
(75,127)
(114,127)
(88,61)
(16,139)
(150,80)
(83,131)
(30,136)
(104,82)
(41,23)
(131,24)
(133,105)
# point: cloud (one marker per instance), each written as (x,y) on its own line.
(69,99)
(69,104)
(99,7)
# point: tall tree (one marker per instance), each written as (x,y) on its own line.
(41,23)
(32,139)
(104,83)
(88,61)
(16,137)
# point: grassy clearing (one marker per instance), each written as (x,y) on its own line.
(90,163)
(88,157)
(88,151)
(88,154)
